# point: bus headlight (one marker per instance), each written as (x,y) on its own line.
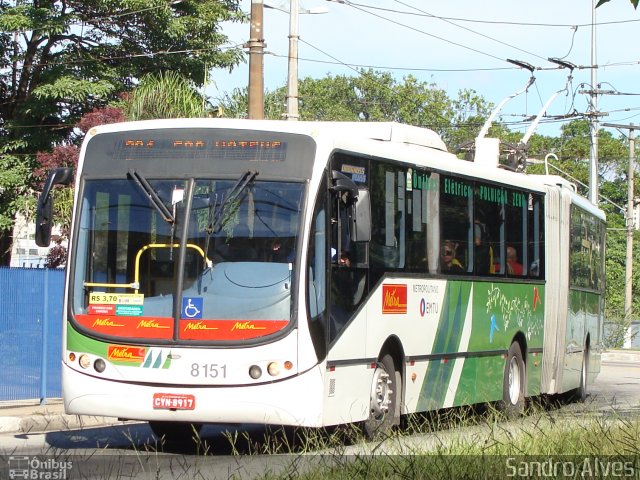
(274,369)
(255,372)
(84,361)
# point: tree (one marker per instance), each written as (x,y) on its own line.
(164,95)
(62,59)
(375,96)
(470,111)
(633,2)
(573,151)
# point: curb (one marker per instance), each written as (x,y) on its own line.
(29,416)
(39,423)
(623,356)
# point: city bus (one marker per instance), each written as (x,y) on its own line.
(318,273)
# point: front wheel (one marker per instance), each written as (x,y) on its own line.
(385,394)
(513,383)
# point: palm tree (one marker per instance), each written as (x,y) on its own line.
(164,95)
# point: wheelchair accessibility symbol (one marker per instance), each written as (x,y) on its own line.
(192,307)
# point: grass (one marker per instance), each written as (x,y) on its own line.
(457,443)
(466,443)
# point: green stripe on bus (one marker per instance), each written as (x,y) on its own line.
(448,336)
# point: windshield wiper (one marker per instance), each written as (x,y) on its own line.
(216,214)
(148,190)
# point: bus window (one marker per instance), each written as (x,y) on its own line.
(456,203)
(316,272)
(418,190)
(348,276)
(388,217)
(535,230)
(489,229)
(516,233)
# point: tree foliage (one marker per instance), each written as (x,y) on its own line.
(60,60)
(164,95)
(633,2)
(375,96)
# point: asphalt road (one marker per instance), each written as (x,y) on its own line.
(131,450)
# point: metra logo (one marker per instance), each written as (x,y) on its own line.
(150,324)
(198,326)
(119,353)
(106,322)
(246,326)
(394,298)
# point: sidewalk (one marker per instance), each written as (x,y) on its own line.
(28,416)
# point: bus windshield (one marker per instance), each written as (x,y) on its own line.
(201,260)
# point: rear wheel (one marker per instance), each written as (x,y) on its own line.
(513,383)
(176,433)
(581,392)
(385,390)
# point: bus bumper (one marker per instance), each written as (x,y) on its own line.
(296,401)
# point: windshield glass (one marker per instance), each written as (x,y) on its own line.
(239,238)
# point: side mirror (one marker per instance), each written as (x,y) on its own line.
(360,217)
(342,183)
(44,214)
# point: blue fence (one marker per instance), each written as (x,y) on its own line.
(30,333)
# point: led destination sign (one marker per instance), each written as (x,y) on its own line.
(252,150)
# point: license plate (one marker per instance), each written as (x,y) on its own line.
(173,401)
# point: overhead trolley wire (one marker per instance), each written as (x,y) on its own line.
(493,22)
(466,47)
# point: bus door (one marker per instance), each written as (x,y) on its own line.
(349,236)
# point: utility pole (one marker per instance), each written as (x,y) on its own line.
(256,61)
(292,77)
(593,111)
(628,310)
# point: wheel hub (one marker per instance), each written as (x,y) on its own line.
(380,393)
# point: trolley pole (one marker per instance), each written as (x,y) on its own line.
(628,277)
(256,61)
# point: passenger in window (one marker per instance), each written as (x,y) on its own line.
(281,251)
(483,253)
(534,270)
(513,266)
(448,260)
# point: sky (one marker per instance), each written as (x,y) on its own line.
(463,44)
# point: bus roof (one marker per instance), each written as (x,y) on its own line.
(386,131)
(354,135)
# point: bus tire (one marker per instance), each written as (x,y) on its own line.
(582,390)
(513,385)
(385,394)
(176,434)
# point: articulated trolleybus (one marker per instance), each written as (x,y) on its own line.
(314,274)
